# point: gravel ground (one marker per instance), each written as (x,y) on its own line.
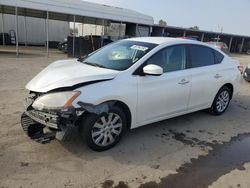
(144,158)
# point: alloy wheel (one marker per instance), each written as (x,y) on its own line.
(223,101)
(107,129)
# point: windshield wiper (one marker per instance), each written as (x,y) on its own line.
(95,65)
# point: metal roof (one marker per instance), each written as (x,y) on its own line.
(86,12)
(203,31)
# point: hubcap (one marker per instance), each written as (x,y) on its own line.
(107,129)
(223,101)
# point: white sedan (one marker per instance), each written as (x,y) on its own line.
(128,84)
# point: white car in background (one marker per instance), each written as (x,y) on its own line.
(128,84)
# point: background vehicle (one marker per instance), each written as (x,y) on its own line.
(86,45)
(128,84)
(63,46)
(246,74)
(220,45)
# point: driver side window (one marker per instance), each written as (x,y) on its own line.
(170,59)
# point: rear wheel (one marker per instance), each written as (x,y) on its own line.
(221,101)
(102,132)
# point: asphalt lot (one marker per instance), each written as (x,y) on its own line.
(195,150)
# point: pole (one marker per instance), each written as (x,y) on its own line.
(82,28)
(230,44)
(242,44)
(184,34)
(120,30)
(3,29)
(137,31)
(202,37)
(163,31)
(25,26)
(103,25)
(102,32)
(47,34)
(16,20)
(74,18)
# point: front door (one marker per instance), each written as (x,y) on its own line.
(168,94)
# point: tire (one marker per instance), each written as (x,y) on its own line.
(98,133)
(221,101)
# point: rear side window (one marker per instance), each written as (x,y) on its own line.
(201,56)
(218,57)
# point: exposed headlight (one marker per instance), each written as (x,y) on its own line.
(55,101)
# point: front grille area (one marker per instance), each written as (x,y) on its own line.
(47,119)
(53,119)
(35,130)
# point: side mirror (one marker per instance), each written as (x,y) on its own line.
(153,70)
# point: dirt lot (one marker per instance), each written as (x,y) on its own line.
(156,155)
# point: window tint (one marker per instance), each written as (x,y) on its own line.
(218,57)
(201,56)
(170,59)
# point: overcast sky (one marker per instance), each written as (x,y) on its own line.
(232,15)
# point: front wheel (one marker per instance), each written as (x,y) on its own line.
(102,132)
(221,101)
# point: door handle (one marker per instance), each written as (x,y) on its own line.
(217,76)
(183,82)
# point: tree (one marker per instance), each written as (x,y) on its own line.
(195,28)
(162,23)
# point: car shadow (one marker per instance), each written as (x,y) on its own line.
(143,144)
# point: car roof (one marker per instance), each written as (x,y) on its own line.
(170,40)
(155,40)
(164,40)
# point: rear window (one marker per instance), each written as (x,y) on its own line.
(201,56)
(218,57)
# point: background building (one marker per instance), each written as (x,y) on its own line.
(36,29)
(37,22)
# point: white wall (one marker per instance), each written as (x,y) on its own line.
(89,29)
(143,31)
(36,32)
(114,30)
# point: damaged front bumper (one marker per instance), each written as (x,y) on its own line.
(44,126)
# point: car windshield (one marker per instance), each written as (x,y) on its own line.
(119,55)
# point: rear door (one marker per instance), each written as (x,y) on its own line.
(207,76)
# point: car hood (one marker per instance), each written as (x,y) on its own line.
(67,73)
